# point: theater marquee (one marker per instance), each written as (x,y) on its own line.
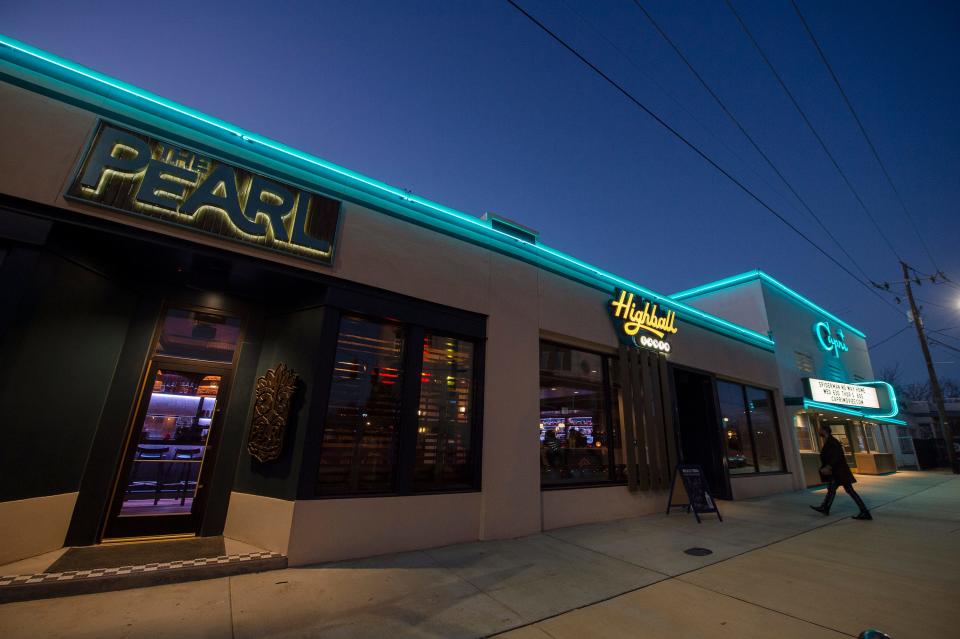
(140,175)
(821,390)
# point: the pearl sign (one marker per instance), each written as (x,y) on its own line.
(828,392)
(140,175)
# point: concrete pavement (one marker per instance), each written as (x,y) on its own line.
(777,570)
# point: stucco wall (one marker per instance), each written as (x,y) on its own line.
(521,302)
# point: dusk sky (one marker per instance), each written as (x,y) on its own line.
(471,105)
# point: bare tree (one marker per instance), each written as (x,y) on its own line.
(915,391)
(950,388)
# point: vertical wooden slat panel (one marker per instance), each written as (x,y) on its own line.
(666,468)
(655,433)
(652,419)
(640,419)
(667,403)
(627,437)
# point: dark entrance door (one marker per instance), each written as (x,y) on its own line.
(698,428)
(169,453)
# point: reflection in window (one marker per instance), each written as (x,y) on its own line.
(765,437)
(445,414)
(361,432)
(736,428)
(875,440)
(806,440)
(195,335)
(575,431)
(905,440)
(751,436)
(840,434)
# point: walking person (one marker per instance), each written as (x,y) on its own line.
(835,471)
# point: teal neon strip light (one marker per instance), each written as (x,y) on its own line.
(42,67)
(757,274)
(894,406)
(809,403)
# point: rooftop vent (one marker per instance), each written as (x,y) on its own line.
(511,228)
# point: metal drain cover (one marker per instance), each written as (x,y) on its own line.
(698,552)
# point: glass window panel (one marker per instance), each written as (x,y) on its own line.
(361,432)
(171,444)
(805,438)
(840,434)
(194,335)
(875,439)
(762,418)
(736,430)
(568,363)
(445,414)
(574,436)
(905,440)
(860,438)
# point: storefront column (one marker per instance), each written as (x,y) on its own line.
(511,466)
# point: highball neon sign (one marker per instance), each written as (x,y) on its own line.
(637,314)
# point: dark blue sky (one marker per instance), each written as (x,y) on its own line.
(469,104)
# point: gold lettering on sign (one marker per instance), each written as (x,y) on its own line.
(646,318)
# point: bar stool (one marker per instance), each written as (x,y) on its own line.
(151,453)
(183,483)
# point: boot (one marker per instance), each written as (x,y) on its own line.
(864,513)
(824,508)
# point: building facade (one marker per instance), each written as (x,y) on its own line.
(206,332)
(823,369)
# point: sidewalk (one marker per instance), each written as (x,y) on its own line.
(777,570)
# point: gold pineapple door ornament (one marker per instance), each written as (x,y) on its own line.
(271,410)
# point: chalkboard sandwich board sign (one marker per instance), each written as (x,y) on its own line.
(699,499)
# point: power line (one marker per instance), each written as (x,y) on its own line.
(887,339)
(683,139)
(942,345)
(810,126)
(670,95)
(747,135)
(942,334)
(944,330)
(863,130)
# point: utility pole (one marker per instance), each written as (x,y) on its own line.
(934,382)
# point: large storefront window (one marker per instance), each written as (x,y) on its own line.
(445,414)
(370,424)
(736,435)
(751,436)
(577,438)
(361,432)
(766,436)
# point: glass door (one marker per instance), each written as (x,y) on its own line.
(169,453)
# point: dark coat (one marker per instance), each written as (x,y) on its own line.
(832,454)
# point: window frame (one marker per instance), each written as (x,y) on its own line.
(609,402)
(402,478)
(753,440)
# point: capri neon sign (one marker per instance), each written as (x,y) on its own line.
(138,174)
(830,341)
